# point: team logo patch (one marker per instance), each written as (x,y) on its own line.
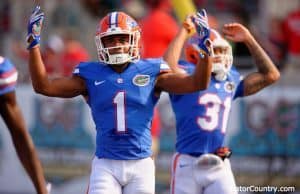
(130,22)
(141,80)
(229,87)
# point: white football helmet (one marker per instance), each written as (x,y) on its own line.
(113,24)
(222,56)
(221,53)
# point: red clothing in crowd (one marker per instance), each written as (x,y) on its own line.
(74,54)
(155,129)
(292,32)
(158,30)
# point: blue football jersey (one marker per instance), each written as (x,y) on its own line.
(201,117)
(8,76)
(122,106)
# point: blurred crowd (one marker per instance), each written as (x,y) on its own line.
(66,41)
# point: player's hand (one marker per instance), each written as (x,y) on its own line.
(189,25)
(34,27)
(236,32)
(201,23)
(203,30)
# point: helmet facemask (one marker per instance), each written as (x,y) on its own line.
(222,58)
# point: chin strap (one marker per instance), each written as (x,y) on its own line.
(219,71)
(118,59)
(221,76)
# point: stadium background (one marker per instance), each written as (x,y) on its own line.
(263,132)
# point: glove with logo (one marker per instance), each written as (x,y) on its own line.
(203,30)
(34,27)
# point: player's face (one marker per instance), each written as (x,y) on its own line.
(219,52)
(117,44)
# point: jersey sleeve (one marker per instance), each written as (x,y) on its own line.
(163,67)
(153,66)
(85,70)
(239,92)
(79,69)
(8,76)
(239,82)
(186,67)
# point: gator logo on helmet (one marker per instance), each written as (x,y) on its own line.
(141,80)
(130,22)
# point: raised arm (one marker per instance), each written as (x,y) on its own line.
(193,23)
(267,72)
(65,87)
(12,116)
(59,87)
(181,83)
(173,51)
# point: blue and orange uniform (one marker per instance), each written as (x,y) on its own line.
(122,106)
(8,76)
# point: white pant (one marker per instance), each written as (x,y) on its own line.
(122,176)
(207,174)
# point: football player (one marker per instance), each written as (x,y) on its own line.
(121,90)
(12,116)
(200,164)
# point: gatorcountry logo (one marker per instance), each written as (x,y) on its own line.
(141,80)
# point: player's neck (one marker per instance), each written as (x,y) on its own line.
(120,68)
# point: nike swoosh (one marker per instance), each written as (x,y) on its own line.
(99,82)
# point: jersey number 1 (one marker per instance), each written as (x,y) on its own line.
(119,102)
